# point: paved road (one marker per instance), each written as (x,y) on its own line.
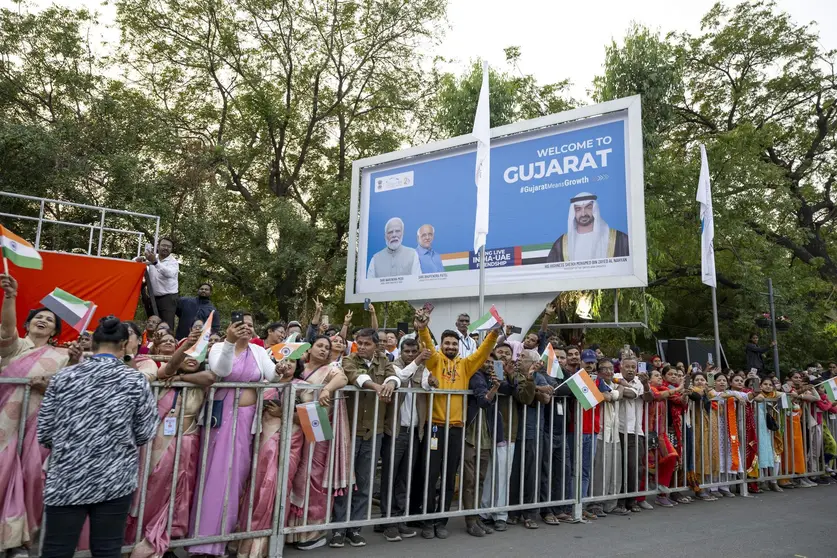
(795,524)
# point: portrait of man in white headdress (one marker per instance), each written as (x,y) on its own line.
(588,236)
(396,259)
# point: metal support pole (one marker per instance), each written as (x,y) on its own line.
(40,226)
(718,358)
(482,280)
(773,326)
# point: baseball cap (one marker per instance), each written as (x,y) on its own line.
(294,324)
(588,356)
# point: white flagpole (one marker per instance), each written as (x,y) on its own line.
(707,245)
(482,131)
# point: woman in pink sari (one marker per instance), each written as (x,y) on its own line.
(180,368)
(318,371)
(267,467)
(228,453)
(22,469)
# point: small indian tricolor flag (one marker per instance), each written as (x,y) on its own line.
(486,322)
(585,390)
(71,309)
(313,418)
(289,351)
(457,261)
(199,349)
(831,390)
(553,367)
(18,251)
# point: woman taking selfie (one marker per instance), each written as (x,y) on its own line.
(230,433)
(94,417)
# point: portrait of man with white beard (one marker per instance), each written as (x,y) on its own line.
(396,259)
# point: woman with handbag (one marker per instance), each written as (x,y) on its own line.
(770,439)
(230,435)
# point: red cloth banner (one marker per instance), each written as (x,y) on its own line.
(113,285)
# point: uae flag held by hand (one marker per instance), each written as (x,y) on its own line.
(71,309)
(487,322)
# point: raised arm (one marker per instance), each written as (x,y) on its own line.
(8,315)
(424,336)
(373,317)
(347,323)
(471,364)
(172,367)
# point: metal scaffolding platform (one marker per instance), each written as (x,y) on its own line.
(47,208)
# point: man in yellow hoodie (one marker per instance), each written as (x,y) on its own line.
(452,373)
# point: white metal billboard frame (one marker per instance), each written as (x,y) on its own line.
(636,204)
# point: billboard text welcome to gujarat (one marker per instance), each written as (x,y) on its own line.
(566,212)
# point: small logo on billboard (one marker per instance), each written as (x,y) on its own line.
(394,181)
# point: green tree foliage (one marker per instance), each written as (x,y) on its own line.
(237,122)
(759,91)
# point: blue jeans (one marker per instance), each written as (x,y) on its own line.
(588,455)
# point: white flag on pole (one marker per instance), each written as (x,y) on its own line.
(482,132)
(707,223)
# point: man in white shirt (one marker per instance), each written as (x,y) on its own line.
(467,346)
(630,430)
(163,275)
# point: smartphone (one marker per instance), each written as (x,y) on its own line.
(516,329)
(428,307)
(149,247)
(643,366)
(324,320)
(498,369)
(366,303)
(709,359)
(403,327)
(237,317)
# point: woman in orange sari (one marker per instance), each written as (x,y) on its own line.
(794,451)
(707,454)
(22,472)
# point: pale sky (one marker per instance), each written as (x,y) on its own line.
(561,39)
(558,39)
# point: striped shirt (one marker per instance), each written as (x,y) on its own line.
(94,417)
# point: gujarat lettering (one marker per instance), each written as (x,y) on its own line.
(562,165)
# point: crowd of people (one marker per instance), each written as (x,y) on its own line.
(405,440)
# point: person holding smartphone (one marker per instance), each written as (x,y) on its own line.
(453,372)
(164,275)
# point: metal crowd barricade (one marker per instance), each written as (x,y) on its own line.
(611,475)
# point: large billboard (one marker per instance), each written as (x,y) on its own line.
(566,211)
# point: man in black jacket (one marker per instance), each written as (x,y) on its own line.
(754,354)
(193,308)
